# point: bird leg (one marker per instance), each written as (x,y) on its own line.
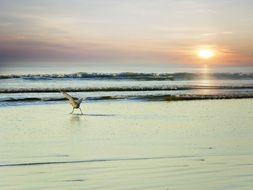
(81,110)
(72,111)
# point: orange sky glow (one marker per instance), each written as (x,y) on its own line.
(144,31)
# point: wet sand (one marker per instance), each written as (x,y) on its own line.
(128,145)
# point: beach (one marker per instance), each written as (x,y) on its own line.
(162,95)
(118,144)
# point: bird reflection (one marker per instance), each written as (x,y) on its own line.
(75,120)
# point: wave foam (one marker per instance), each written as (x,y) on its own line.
(131,76)
(123,89)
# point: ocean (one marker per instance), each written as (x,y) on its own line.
(42,85)
(135,132)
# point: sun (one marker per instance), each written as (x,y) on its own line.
(205,53)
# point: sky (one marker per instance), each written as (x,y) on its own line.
(126,31)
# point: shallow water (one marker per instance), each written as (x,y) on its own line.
(128,145)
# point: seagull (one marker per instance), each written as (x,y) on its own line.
(75,103)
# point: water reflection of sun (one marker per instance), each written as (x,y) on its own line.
(206,78)
(206,75)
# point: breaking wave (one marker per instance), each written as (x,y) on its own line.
(131,76)
(123,89)
(36,88)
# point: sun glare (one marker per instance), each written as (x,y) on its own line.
(205,53)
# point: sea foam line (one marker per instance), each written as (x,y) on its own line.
(123,89)
(130,76)
(184,97)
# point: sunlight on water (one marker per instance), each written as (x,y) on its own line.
(158,83)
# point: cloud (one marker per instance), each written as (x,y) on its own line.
(161,30)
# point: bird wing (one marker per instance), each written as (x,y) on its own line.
(79,101)
(70,98)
